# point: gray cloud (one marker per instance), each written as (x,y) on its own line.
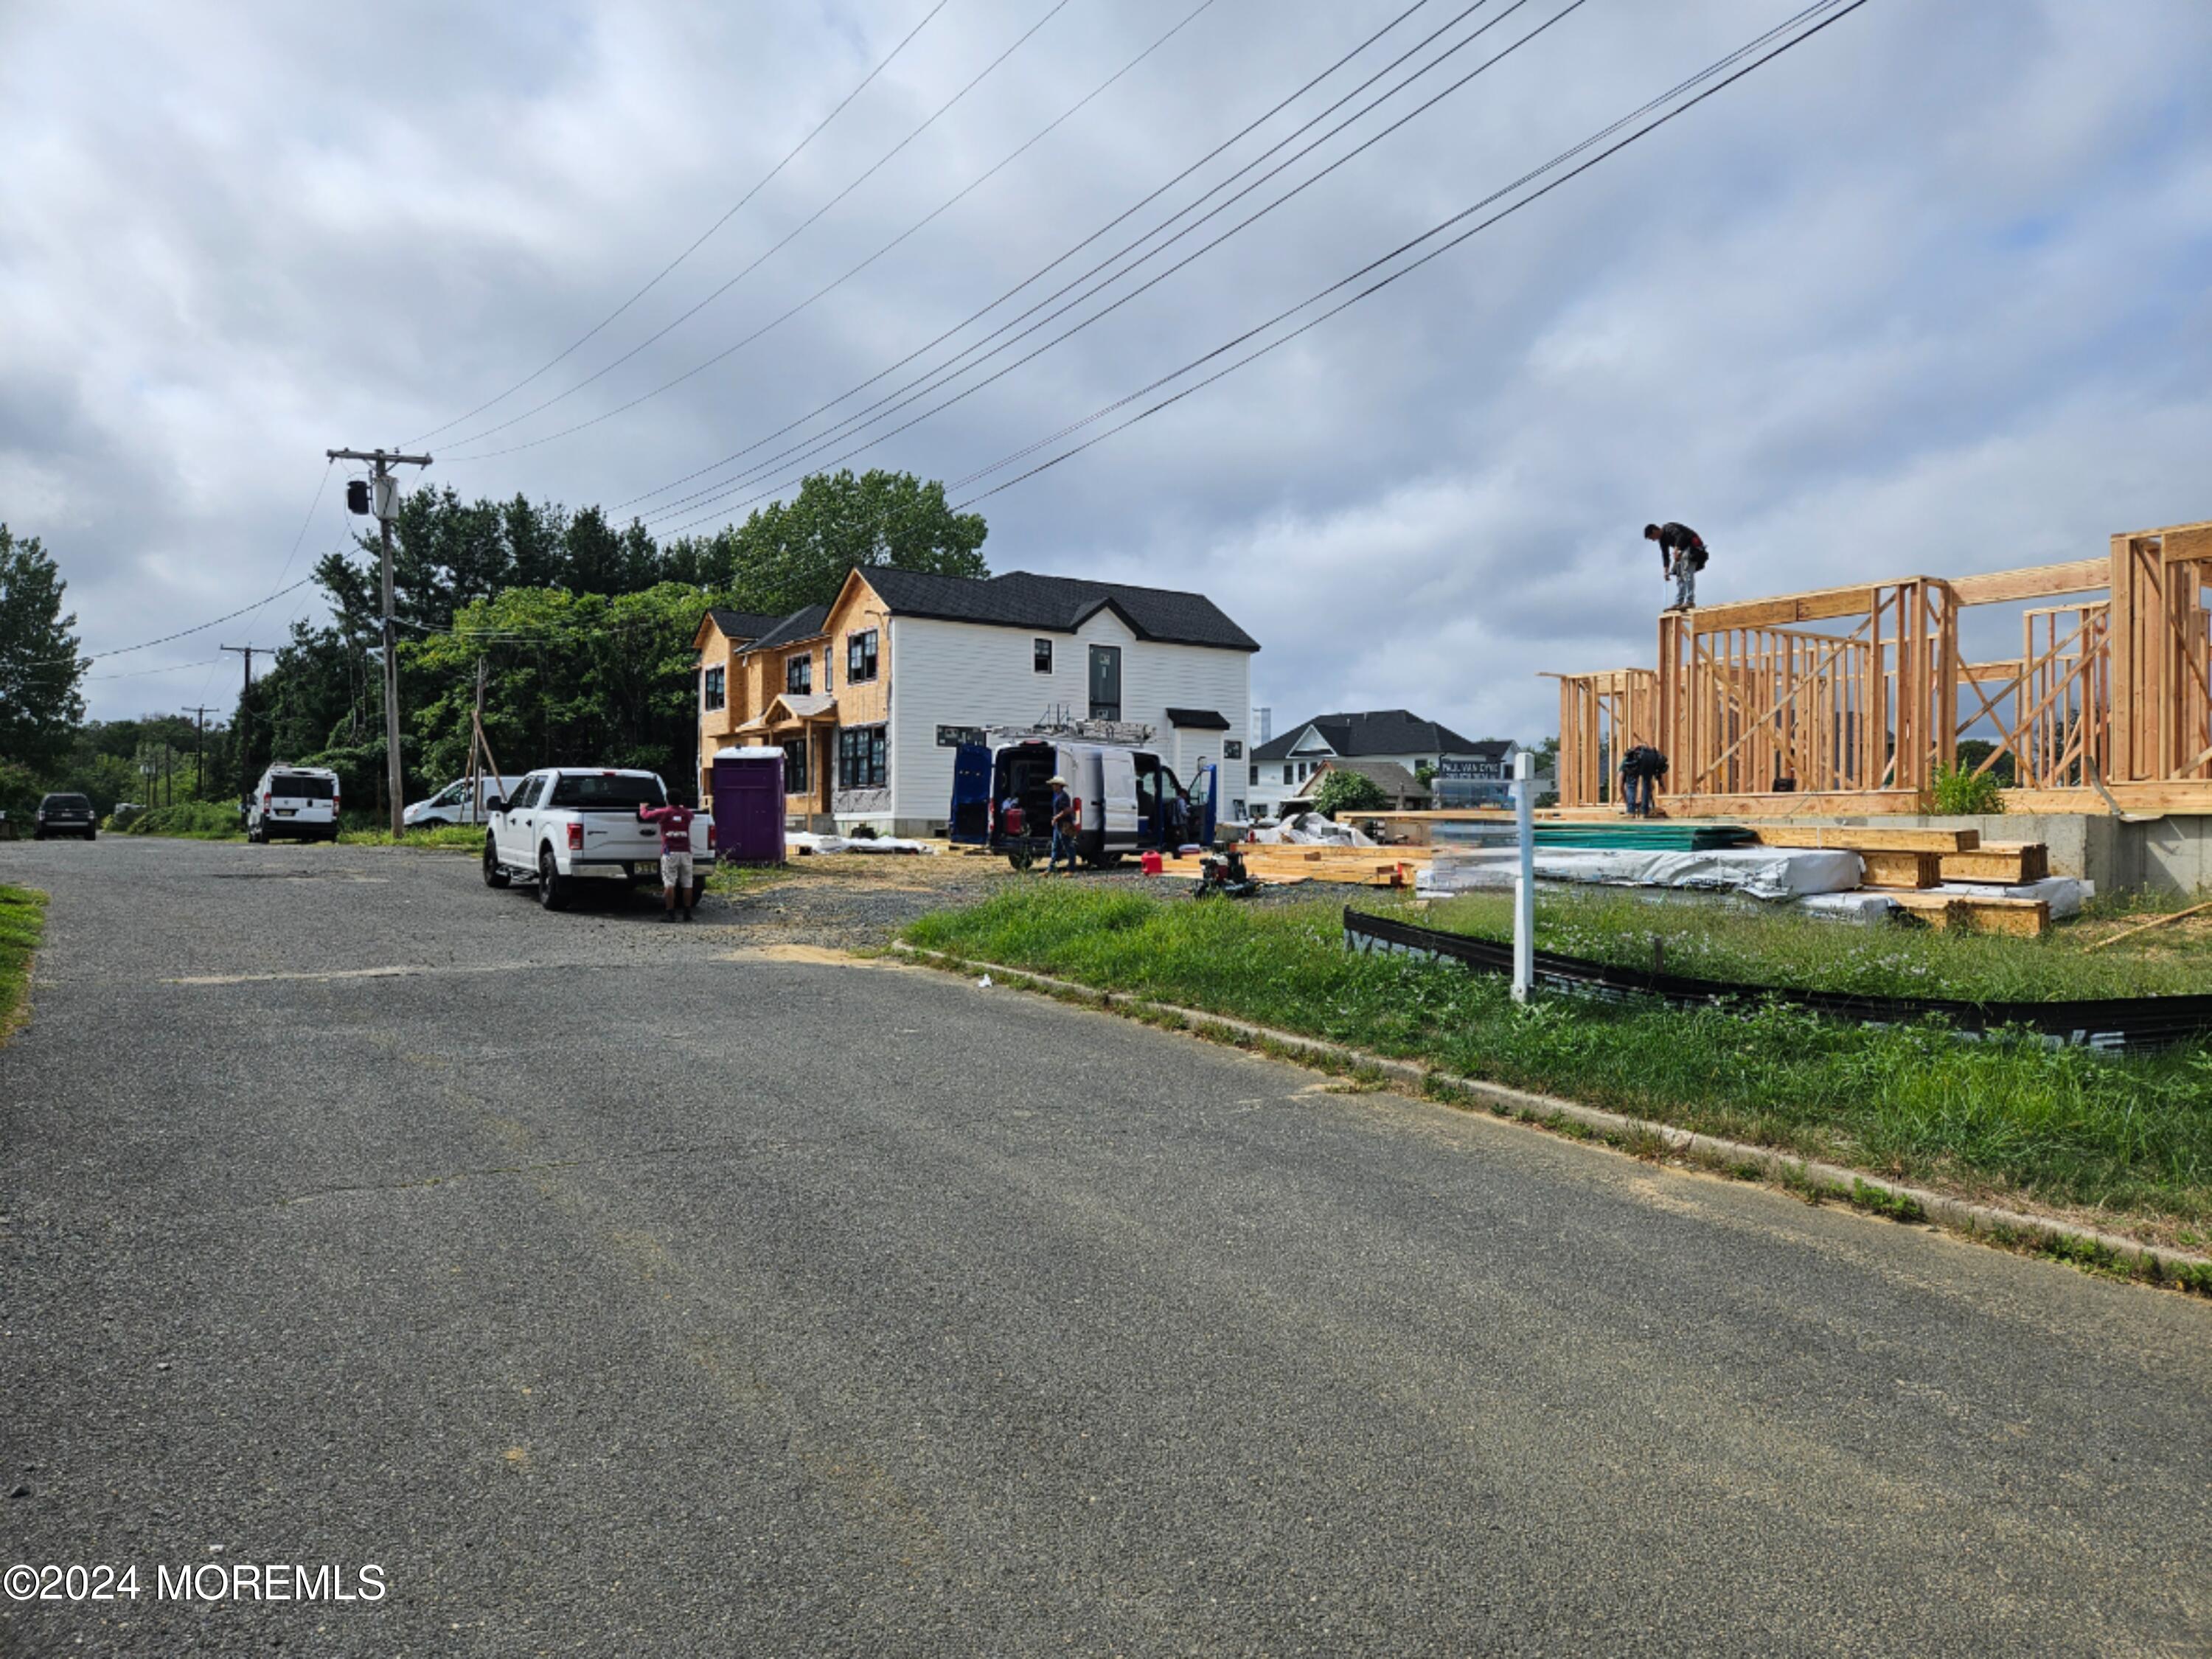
(1927,295)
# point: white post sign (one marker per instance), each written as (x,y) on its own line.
(1524,891)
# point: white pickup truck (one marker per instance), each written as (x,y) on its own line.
(565,825)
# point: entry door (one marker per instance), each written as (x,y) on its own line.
(1105,682)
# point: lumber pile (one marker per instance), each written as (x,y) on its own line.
(2012,863)
(1283,866)
(1861,839)
(1889,870)
(2028,918)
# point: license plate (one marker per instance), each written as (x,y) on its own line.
(286,812)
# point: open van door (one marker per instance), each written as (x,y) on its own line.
(969,820)
(1117,795)
(1212,795)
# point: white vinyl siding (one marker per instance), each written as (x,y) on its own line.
(963,674)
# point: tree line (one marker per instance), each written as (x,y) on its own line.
(584,629)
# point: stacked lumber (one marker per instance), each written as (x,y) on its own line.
(2028,918)
(1915,867)
(1858,838)
(2008,863)
(1888,870)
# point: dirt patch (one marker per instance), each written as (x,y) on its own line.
(819,955)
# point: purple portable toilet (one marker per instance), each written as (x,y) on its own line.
(748,805)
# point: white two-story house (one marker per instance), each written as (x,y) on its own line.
(870,698)
(1467,773)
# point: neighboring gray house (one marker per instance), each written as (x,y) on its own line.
(1468,774)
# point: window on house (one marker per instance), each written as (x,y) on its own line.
(1287,770)
(795,766)
(715,696)
(799,673)
(829,679)
(859,656)
(1232,749)
(862,757)
(1041,656)
(1256,774)
(1105,682)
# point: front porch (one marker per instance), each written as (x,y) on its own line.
(805,726)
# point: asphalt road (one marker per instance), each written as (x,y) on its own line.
(614,1290)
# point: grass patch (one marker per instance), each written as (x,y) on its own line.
(22,918)
(194,820)
(446,837)
(1750,947)
(1998,1118)
(737,880)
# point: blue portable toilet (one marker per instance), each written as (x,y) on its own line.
(748,805)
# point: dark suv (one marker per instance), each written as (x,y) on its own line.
(64,814)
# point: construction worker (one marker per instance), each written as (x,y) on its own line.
(1681,555)
(1063,827)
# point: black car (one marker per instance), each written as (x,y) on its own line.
(65,815)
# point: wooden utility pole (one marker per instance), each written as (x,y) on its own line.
(246,722)
(199,754)
(384,503)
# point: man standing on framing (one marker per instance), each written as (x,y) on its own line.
(1681,555)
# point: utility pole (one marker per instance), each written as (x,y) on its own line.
(199,754)
(383,498)
(246,722)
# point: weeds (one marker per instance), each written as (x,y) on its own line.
(1748,947)
(2003,1116)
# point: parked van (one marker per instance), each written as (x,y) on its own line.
(1002,798)
(300,801)
(454,803)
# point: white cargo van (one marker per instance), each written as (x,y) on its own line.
(299,801)
(454,803)
(1002,797)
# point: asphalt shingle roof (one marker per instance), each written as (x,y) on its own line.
(799,625)
(741,624)
(1058,605)
(1381,732)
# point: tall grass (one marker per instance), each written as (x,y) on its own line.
(445,838)
(197,820)
(22,917)
(1996,1117)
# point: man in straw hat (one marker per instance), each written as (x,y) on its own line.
(1063,827)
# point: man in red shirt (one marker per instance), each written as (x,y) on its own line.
(675,821)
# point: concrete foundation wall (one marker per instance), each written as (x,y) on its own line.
(2170,855)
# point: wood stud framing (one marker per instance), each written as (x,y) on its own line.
(1761,715)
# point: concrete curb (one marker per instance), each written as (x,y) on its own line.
(1982,1221)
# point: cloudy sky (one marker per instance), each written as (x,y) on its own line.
(1928,293)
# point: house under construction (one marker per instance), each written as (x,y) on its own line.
(1847,700)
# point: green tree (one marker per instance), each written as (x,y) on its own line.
(1348,791)
(42,675)
(796,553)
(571,679)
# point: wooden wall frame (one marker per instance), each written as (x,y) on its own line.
(1757,711)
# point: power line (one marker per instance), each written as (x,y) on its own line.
(790,155)
(945,375)
(739,480)
(1057,7)
(1135,206)
(1436,252)
(182,632)
(935,213)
